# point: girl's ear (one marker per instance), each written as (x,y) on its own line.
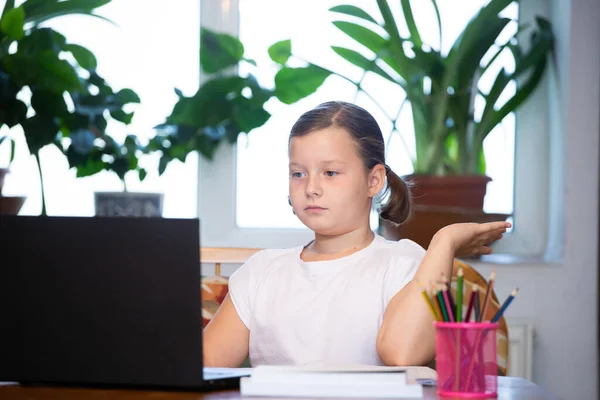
(376,180)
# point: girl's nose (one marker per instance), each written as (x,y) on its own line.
(313,188)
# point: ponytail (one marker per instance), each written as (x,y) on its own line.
(398,208)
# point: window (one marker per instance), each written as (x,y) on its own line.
(271,209)
(252,209)
(152,53)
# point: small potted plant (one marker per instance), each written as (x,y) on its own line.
(32,58)
(90,149)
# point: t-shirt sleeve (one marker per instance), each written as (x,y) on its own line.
(403,268)
(242,288)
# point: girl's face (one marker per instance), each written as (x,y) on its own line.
(330,189)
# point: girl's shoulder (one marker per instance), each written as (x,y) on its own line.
(266,258)
(401,248)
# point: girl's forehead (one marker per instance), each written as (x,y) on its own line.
(329,141)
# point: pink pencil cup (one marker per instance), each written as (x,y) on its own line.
(466,359)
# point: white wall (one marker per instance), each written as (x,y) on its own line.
(562,298)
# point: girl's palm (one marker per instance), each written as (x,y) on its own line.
(472,238)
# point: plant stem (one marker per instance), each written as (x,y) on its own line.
(37,158)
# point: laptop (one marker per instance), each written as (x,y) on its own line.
(101,301)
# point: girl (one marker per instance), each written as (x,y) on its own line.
(349,296)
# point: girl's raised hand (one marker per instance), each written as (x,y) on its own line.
(468,239)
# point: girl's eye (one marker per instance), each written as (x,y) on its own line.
(331,173)
(296,174)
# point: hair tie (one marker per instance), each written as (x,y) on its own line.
(387,168)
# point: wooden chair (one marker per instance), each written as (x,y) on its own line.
(215,288)
(225,255)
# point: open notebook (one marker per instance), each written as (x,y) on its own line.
(337,381)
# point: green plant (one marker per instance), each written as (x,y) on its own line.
(224,106)
(441,88)
(89,149)
(69,100)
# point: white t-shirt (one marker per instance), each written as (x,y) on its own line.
(323,311)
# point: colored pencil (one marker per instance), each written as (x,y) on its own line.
(477,308)
(429,303)
(440,300)
(459,295)
(474,294)
(448,291)
(488,294)
(436,302)
(448,305)
(505,305)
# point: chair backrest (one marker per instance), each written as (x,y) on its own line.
(215,287)
(225,255)
(470,278)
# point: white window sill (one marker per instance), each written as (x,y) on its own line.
(515,260)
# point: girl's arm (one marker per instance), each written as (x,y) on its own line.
(225,339)
(407,336)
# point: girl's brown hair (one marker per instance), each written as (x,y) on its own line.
(369,140)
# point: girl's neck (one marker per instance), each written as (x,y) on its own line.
(332,247)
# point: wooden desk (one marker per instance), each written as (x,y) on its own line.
(509,389)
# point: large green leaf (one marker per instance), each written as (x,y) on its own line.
(533,62)
(400,60)
(371,40)
(281,51)
(259,93)
(470,35)
(83,56)
(44,11)
(41,39)
(86,164)
(12,23)
(293,84)
(49,104)
(354,12)
(13,113)
(56,74)
(249,115)
(470,62)
(122,116)
(126,96)
(219,51)
(362,62)
(439,20)
(210,105)
(39,132)
(415,36)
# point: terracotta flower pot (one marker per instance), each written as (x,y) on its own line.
(439,201)
(464,191)
(11,205)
